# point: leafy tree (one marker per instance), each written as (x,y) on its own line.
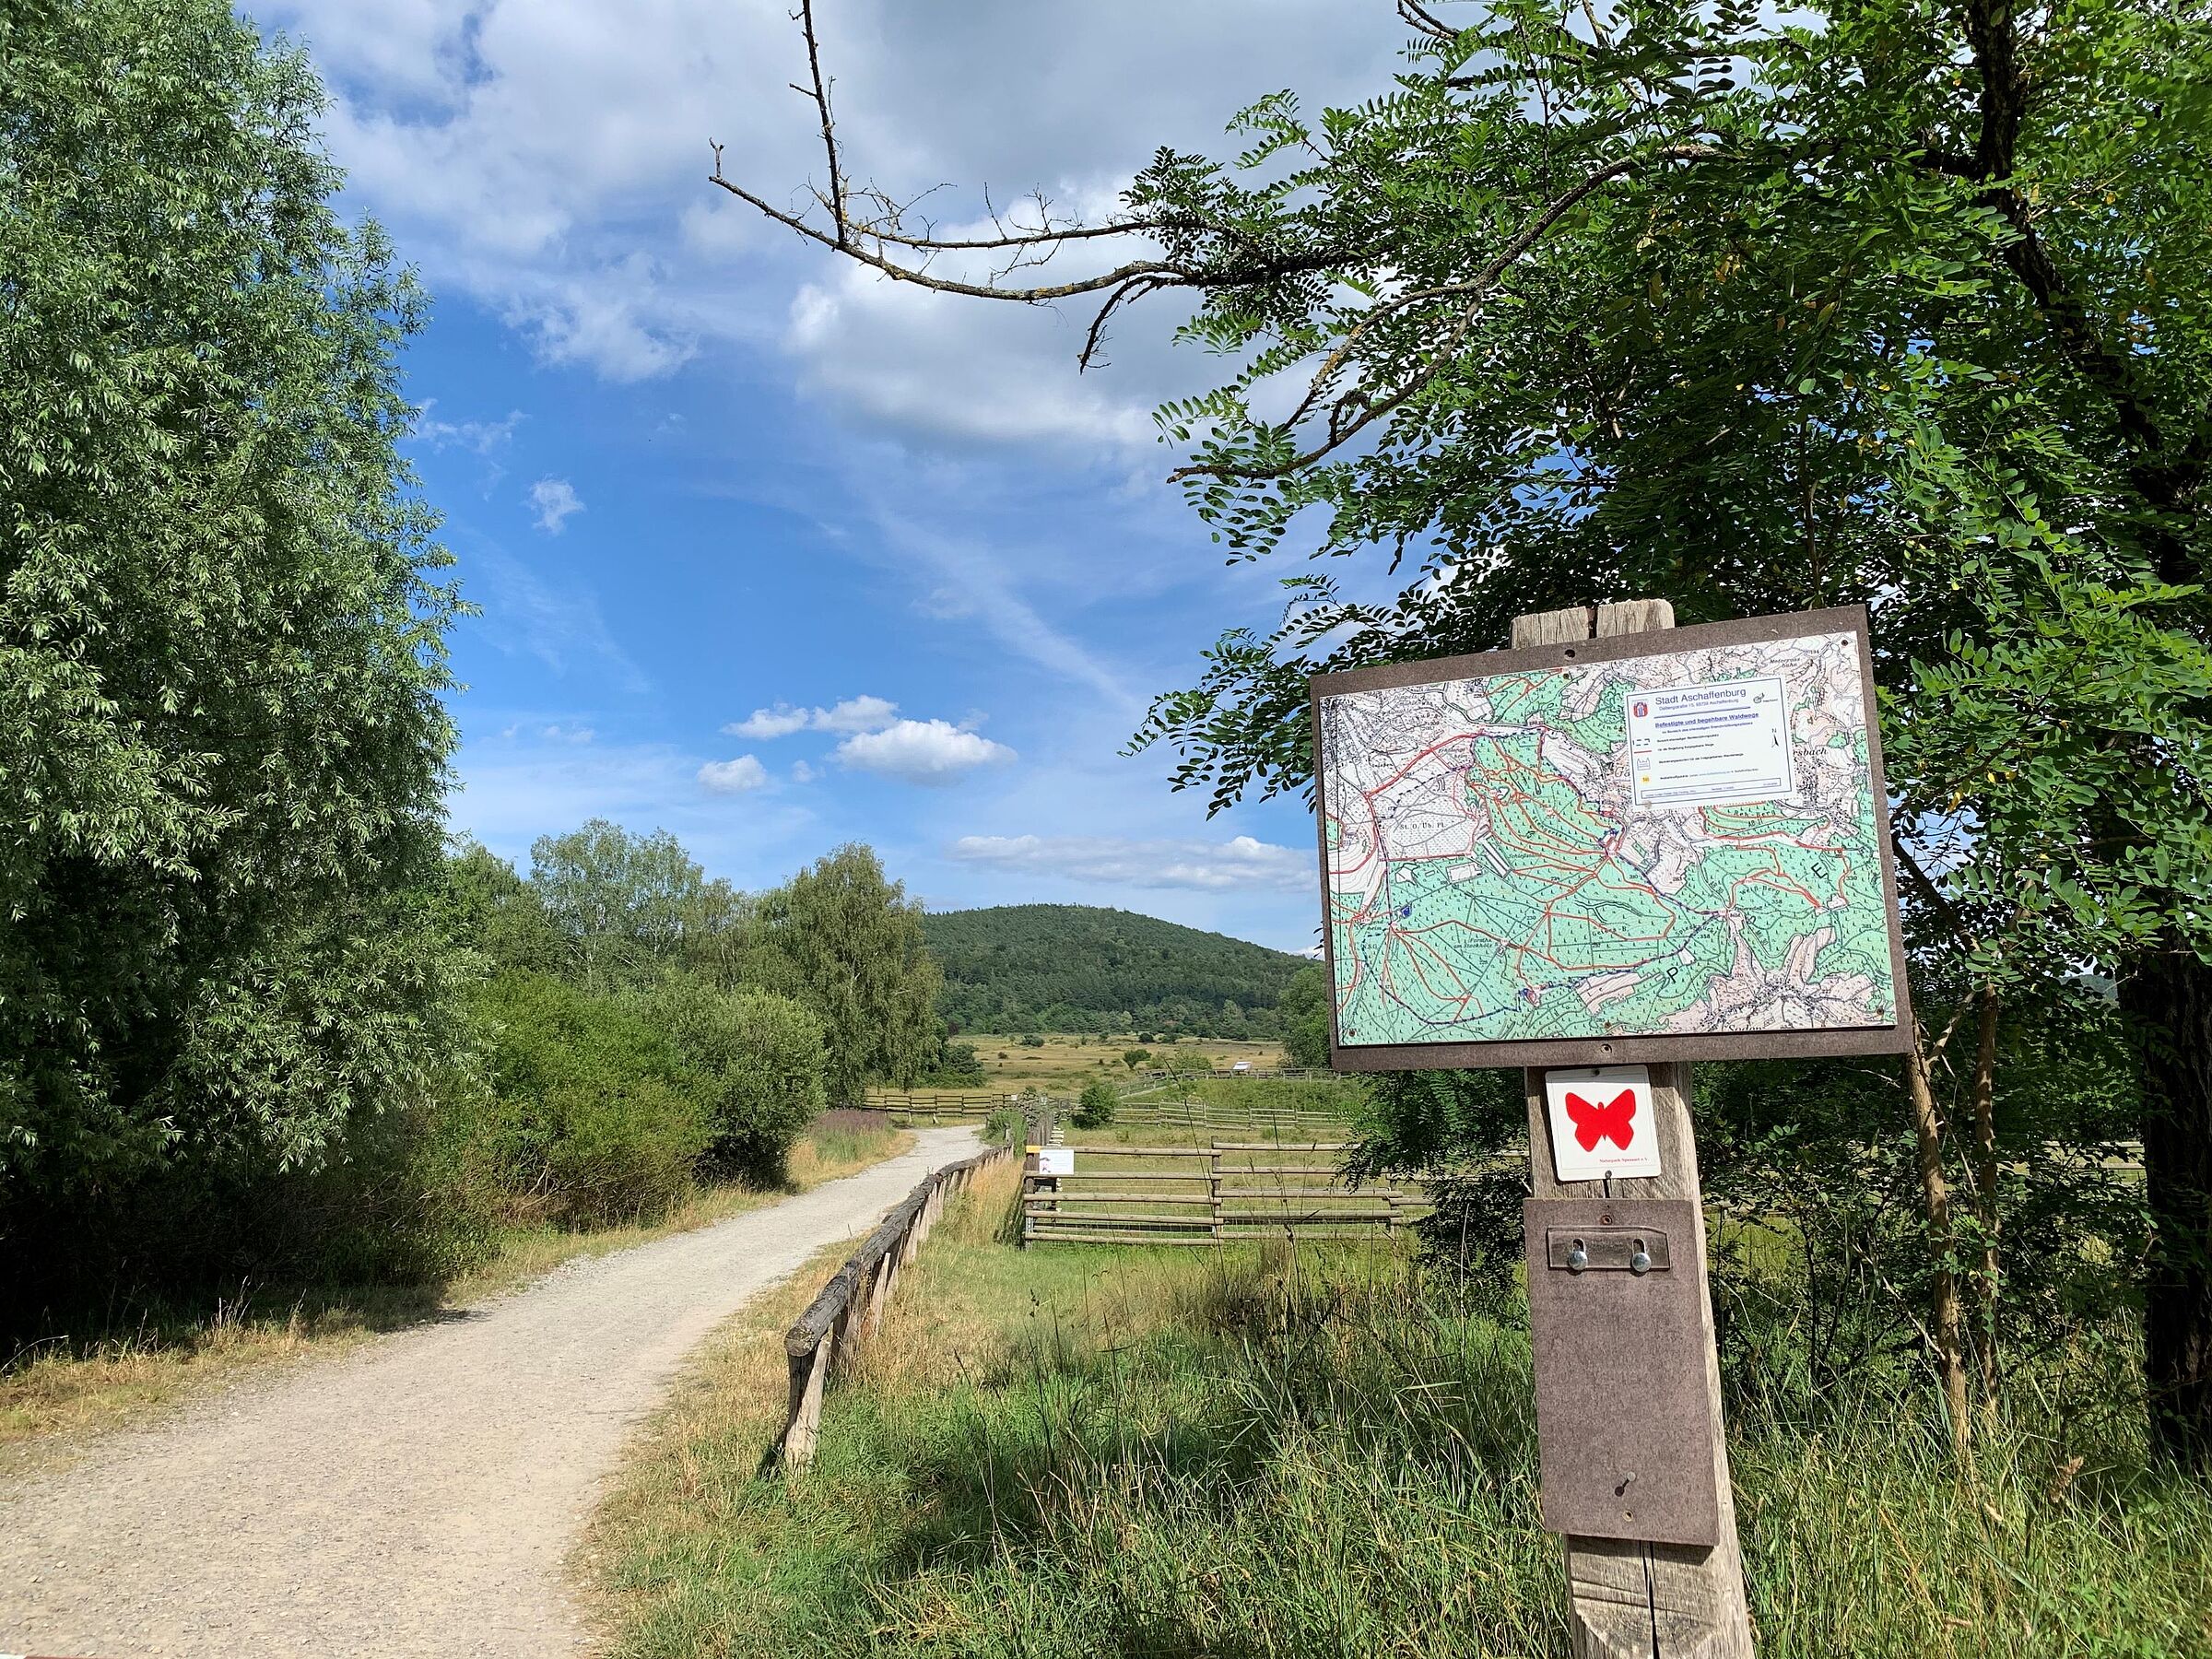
(1868,302)
(627,905)
(494,911)
(1096,1105)
(1305,1011)
(594,1118)
(759,1059)
(1135,1057)
(849,944)
(222,750)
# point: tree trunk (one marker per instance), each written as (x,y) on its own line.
(2170,998)
(1936,1195)
(1985,1184)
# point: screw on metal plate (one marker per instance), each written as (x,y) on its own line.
(1577,1257)
(1639,1262)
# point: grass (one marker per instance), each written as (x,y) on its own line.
(1080,1451)
(1064,1063)
(74,1385)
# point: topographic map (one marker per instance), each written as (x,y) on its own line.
(1676,843)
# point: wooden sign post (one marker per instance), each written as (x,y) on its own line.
(1599,854)
(1632,1598)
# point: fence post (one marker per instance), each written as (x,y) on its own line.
(1213,1185)
(809,1372)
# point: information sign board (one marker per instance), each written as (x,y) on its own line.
(1670,845)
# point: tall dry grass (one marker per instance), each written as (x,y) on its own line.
(1073,1452)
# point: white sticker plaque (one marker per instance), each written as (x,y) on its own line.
(1713,745)
(1601,1122)
(1055,1160)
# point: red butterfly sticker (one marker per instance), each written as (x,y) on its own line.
(1593,1122)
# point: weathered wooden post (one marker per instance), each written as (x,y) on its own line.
(1598,857)
(1637,1598)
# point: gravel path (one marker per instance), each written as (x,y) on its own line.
(417,1497)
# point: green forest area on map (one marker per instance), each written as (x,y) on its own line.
(1490,879)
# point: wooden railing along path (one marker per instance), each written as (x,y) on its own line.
(850,1305)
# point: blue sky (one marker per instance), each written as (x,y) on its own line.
(772,554)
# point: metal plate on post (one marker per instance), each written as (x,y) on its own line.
(1623,1424)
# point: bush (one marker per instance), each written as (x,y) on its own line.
(1006,1126)
(593,1120)
(758,1060)
(1032,1040)
(1095,1107)
(1132,1058)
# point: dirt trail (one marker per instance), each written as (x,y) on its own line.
(414,1498)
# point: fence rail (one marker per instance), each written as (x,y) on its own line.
(850,1305)
(1223,1193)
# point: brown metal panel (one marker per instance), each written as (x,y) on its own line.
(1893,1039)
(1624,1426)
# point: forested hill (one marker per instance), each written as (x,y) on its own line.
(1078,968)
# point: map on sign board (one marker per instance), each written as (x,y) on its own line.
(1685,839)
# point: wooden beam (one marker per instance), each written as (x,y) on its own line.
(1633,1600)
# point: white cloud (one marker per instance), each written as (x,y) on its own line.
(922,751)
(562,628)
(478,437)
(803,773)
(734,777)
(557,501)
(1207,867)
(560,734)
(854,714)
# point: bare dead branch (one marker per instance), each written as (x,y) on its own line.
(822,102)
(1419,17)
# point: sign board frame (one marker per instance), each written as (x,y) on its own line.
(1894,1038)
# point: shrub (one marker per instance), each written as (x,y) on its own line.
(594,1119)
(1032,1040)
(1006,1126)
(1095,1107)
(758,1060)
(1132,1058)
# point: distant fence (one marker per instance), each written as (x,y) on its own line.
(850,1305)
(1208,1195)
(948,1108)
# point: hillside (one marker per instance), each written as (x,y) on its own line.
(1079,967)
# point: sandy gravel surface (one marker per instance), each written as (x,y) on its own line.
(416,1497)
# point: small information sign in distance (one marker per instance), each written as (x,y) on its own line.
(1670,845)
(1602,1121)
(1055,1160)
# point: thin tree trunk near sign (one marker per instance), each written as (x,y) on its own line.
(1985,1186)
(1935,1199)
(1633,1600)
(2169,998)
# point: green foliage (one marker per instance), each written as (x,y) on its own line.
(757,1059)
(1079,967)
(493,912)
(959,1066)
(1006,1126)
(222,748)
(594,1118)
(1305,1016)
(627,905)
(1096,1106)
(848,942)
(1132,1058)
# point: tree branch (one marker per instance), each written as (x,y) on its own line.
(1477,288)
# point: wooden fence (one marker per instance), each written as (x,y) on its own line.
(850,1305)
(1208,1195)
(908,1110)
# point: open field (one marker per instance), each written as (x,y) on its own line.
(1064,1063)
(74,1383)
(1328,1452)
